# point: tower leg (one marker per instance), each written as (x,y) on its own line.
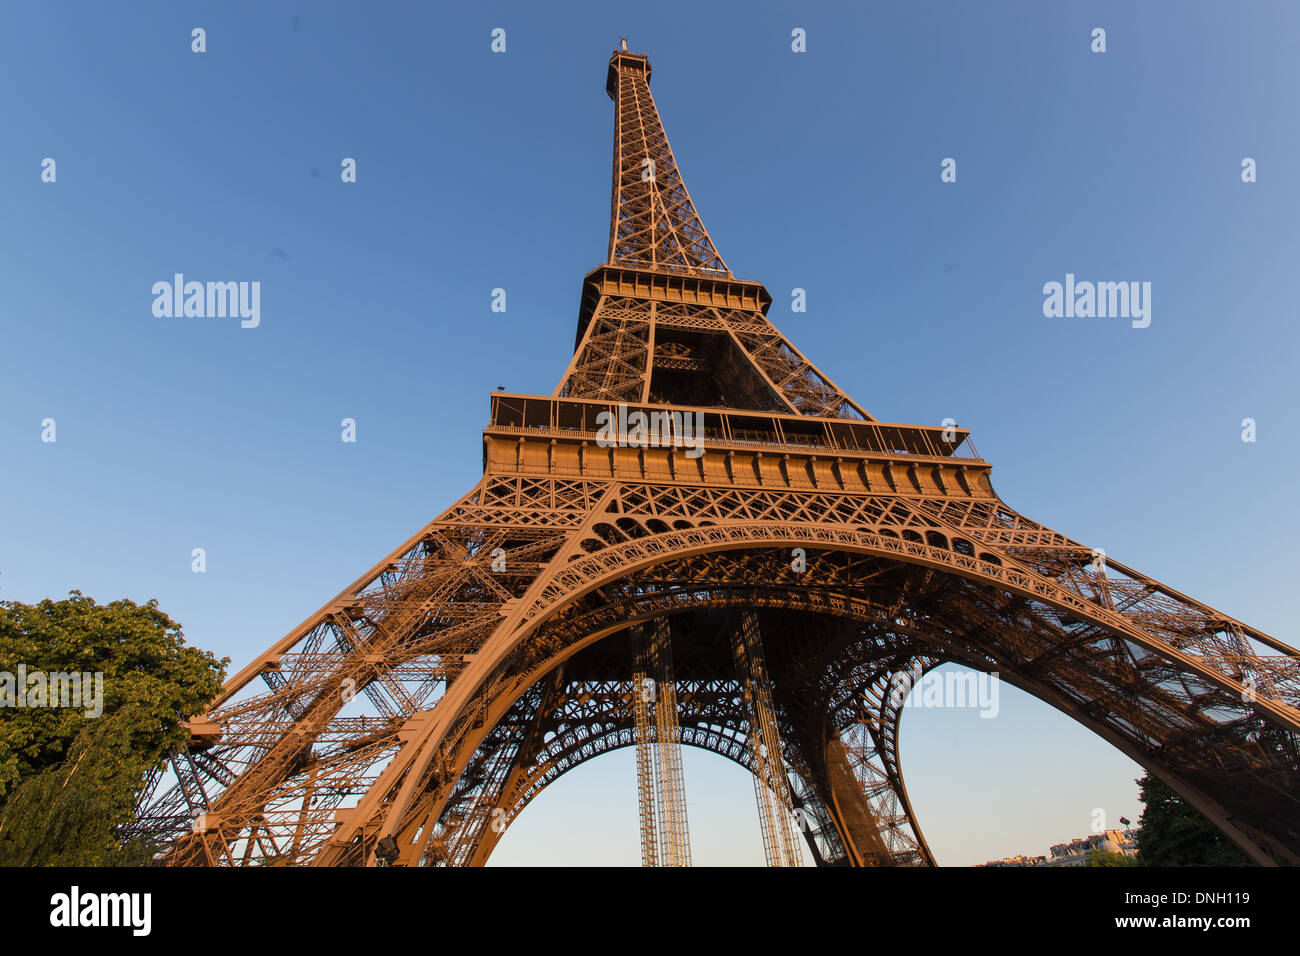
(771,788)
(674,837)
(642,694)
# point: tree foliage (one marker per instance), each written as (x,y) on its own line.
(68,781)
(1174,833)
(1097,857)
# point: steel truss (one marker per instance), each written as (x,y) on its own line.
(771,789)
(666,782)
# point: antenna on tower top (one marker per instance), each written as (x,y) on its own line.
(623,40)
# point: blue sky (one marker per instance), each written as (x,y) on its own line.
(478,170)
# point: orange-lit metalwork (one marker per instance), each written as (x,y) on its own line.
(411,719)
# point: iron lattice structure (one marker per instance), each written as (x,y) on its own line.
(411,718)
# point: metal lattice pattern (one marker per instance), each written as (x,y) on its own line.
(645,766)
(654,224)
(771,789)
(613,360)
(1174,640)
(669,784)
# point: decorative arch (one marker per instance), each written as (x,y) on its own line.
(541,616)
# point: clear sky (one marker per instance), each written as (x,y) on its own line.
(817,170)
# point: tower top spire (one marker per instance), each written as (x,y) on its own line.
(653,222)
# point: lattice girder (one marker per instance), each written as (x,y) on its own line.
(653,222)
(595,715)
(578,576)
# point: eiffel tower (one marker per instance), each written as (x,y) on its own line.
(699,540)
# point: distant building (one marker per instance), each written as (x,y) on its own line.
(1017,861)
(1075,853)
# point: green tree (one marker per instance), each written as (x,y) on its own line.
(1174,833)
(1098,857)
(68,781)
